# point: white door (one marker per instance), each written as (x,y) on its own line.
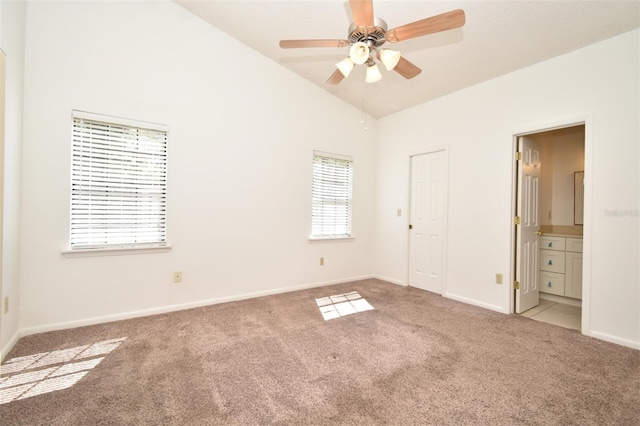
(2,89)
(427,219)
(529,168)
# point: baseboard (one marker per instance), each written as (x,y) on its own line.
(473,302)
(451,296)
(180,307)
(613,339)
(389,280)
(331,282)
(561,299)
(10,344)
(172,308)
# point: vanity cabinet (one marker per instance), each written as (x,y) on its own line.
(573,275)
(560,266)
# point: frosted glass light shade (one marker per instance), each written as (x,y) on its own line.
(359,53)
(373,74)
(389,58)
(345,66)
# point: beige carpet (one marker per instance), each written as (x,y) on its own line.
(417,358)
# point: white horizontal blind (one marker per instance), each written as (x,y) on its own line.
(118,183)
(331,196)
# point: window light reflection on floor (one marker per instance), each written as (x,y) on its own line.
(37,374)
(340,305)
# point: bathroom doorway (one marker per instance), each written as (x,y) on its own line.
(549,226)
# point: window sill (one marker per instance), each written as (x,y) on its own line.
(116,251)
(329,239)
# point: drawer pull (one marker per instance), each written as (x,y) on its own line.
(549,284)
(550,244)
(551,262)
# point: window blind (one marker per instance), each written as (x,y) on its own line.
(331,196)
(118,183)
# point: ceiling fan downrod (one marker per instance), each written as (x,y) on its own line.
(373,36)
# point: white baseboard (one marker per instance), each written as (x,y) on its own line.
(561,299)
(389,280)
(172,308)
(332,282)
(10,344)
(179,307)
(613,339)
(473,302)
(452,296)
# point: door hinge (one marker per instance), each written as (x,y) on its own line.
(410,226)
(517,220)
(518,156)
(516,285)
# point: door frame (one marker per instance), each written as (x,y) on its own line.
(587,121)
(432,150)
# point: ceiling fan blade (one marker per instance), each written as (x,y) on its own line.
(335,78)
(434,24)
(362,11)
(293,44)
(407,69)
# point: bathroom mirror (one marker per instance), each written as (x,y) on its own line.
(578,198)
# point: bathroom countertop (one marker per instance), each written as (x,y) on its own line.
(562,231)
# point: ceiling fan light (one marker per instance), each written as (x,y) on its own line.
(390,58)
(359,53)
(373,74)
(345,66)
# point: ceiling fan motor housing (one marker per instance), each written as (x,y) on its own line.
(373,36)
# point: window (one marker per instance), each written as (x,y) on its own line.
(331,196)
(118,183)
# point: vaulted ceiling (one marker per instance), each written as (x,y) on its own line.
(499,37)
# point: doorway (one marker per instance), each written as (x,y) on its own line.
(427,221)
(549,202)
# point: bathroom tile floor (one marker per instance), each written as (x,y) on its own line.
(556,313)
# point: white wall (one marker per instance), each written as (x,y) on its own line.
(562,156)
(477,125)
(568,158)
(237,133)
(12,27)
(242,134)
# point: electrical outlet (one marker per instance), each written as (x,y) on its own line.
(498,278)
(322,261)
(6,304)
(177,277)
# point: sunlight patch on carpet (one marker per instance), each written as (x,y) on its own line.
(341,305)
(37,374)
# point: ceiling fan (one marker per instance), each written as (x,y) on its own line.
(368,33)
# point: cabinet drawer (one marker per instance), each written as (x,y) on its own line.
(552,261)
(551,282)
(574,245)
(552,243)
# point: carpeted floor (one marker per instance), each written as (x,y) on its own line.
(416,359)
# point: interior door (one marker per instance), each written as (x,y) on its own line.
(427,221)
(2,89)
(527,232)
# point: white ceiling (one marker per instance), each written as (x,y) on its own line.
(498,37)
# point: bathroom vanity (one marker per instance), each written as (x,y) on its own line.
(560,265)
